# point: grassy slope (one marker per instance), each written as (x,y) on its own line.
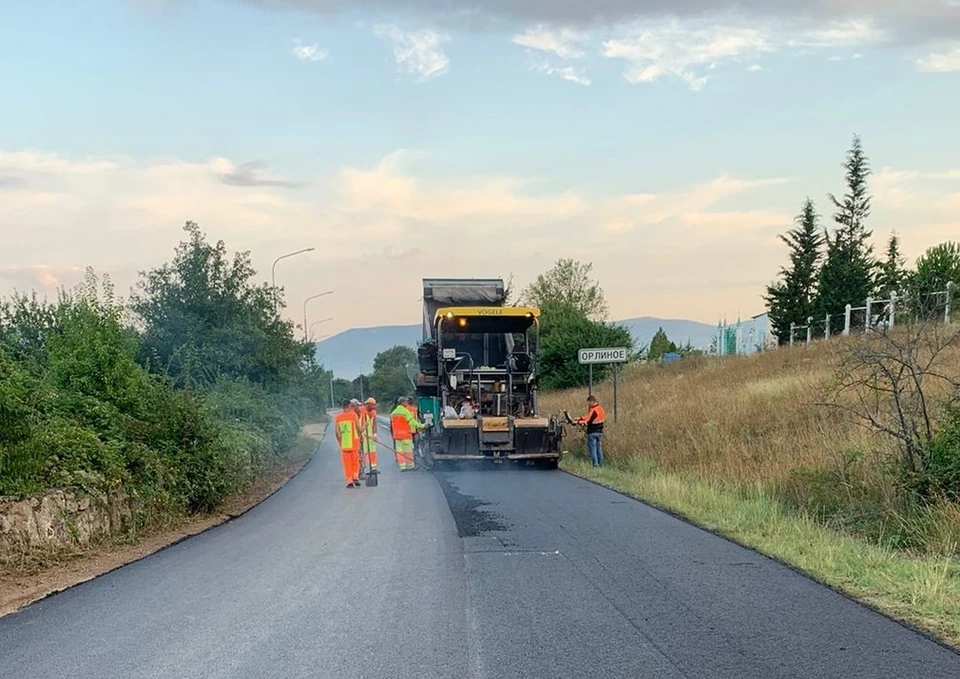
(740,446)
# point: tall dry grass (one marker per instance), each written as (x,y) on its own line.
(754,422)
(749,418)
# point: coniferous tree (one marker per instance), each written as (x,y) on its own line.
(893,272)
(660,345)
(791,300)
(847,275)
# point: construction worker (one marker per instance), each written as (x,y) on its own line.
(593,421)
(346,426)
(467,410)
(368,433)
(403,425)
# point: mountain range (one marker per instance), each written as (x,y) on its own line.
(351,353)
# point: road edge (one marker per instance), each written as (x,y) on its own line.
(796,569)
(220,521)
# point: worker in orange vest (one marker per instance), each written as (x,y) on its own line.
(368,433)
(402,427)
(347,428)
(593,421)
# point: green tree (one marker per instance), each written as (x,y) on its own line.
(792,299)
(205,318)
(847,275)
(660,345)
(936,267)
(564,330)
(568,283)
(389,379)
(893,273)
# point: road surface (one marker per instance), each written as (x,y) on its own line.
(507,573)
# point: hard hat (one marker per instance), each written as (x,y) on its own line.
(354,402)
(371,401)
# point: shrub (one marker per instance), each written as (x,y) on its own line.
(942,475)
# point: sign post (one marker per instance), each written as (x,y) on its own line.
(615,391)
(591,357)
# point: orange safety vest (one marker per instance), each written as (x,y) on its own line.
(597,424)
(347,426)
(400,424)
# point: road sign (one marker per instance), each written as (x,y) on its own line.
(609,355)
(591,357)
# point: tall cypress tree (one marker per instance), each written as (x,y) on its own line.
(847,276)
(892,275)
(792,299)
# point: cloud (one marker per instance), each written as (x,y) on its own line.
(248,174)
(386,192)
(693,208)
(397,222)
(563,42)
(310,52)
(688,49)
(36,162)
(10,182)
(45,278)
(670,49)
(840,34)
(943,62)
(568,73)
(920,204)
(905,22)
(418,53)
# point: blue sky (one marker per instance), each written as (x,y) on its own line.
(384,137)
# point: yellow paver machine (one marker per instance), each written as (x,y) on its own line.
(477,378)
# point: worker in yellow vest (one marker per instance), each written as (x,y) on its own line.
(346,427)
(368,434)
(403,425)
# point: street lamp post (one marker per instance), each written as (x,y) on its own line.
(319,322)
(273,272)
(305,331)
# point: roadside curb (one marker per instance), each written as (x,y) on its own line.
(225,519)
(796,569)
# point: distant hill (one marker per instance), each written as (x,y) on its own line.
(352,352)
(679,331)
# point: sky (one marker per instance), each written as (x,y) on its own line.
(666,142)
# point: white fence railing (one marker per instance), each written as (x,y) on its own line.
(876,313)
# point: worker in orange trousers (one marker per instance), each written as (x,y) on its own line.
(347,428)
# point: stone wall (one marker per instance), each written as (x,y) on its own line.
(59,518)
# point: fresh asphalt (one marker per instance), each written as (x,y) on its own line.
(499,573)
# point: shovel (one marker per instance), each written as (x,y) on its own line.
(373,476)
